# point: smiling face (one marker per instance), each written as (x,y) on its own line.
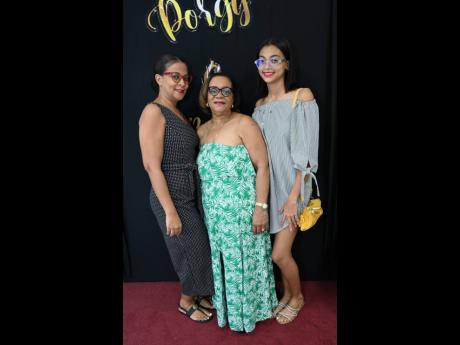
(219,103)
(273,64)
(174,82)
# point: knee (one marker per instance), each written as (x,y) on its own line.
(279,258)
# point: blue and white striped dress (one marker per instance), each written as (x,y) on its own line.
(292,138)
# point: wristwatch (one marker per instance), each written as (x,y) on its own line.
(261,204)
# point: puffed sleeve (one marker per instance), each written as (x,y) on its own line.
(304,138)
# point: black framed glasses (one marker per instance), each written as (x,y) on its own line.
(177,77)
(225,91)
(273,61)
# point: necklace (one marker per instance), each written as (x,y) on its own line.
(270,103)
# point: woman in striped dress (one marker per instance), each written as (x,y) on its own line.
(289,120)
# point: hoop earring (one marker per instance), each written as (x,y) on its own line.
(207,104)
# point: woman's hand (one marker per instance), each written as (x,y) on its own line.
(289,212)
(173,224)
(259,220)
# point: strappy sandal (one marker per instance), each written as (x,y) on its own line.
(289,313)
(193,309)
(201,298)
(278,308)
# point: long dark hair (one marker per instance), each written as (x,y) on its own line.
(290,82)
(162,65)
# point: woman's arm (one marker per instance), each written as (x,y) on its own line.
(252,138)
(151,135)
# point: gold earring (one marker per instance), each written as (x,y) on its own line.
(207,104)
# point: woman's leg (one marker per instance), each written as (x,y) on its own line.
(282,256)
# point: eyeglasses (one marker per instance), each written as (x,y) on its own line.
(273,61)
(225,91)
(176,77)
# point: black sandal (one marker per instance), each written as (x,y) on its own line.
(200,298)
(191,310)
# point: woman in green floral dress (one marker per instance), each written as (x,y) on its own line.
(233,167)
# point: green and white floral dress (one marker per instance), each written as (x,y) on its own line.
(241,261)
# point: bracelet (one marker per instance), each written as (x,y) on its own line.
(261,204)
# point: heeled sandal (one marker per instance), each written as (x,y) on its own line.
(208,300)
(278,308)
(289,313)
(193,309)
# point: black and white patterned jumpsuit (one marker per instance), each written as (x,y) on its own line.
(190,251)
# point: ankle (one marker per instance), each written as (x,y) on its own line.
(297,297)
(286,297)
(186,302)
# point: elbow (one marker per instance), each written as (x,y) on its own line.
(147,167)
(262,167)
(150,167)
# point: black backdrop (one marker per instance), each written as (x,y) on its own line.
(310,26)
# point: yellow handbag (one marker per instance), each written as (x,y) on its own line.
(311,213)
